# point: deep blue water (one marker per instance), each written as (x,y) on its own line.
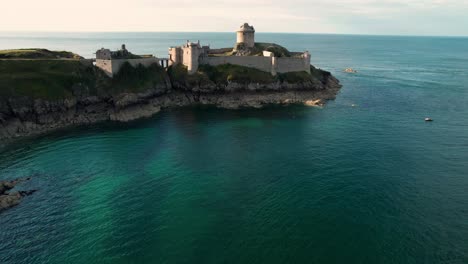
(372,183)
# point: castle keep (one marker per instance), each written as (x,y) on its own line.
(246,36)
(266,57)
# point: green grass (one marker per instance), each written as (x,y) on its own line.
(137,79)
(235,73)
(60,79)
(37,54)
(178,74)
(319,74)
(223,74)
(259,47)
(221,52)
(220,74)
(47,79)
(278,50)
(295,77)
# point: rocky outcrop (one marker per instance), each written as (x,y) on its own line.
(24,116)
(9,199)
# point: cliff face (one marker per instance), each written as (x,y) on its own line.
(136,93)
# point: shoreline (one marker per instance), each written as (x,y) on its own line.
(42,117)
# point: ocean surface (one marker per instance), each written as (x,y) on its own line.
(369,183)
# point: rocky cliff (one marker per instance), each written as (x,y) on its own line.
(85,95)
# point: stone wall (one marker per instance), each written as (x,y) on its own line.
(267,64)
(105,65)
(111,67)
(175,55)
(284,64)
(257,62)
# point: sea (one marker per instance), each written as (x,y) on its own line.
(363,179)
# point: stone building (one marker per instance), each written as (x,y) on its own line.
(111,61)
(193,54)
(189,55)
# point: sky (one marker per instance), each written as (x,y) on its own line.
(384,17)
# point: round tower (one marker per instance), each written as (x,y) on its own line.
(246,35)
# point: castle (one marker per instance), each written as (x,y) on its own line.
(246,52)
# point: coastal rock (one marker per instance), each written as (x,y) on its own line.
(135,112)
(22,116)
(317,102)
(7,199)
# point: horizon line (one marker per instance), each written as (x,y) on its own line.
(263,32)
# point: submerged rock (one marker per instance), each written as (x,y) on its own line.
(7,199)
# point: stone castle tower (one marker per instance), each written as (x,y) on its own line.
(246,35)
(188,54)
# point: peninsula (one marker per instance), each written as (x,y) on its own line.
(42,90)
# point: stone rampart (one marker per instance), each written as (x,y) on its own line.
(267,64)
(111,67)
(257,62)
(284,64)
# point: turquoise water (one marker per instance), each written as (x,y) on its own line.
(372,183)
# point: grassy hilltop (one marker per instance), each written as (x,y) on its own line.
(225,73)
(52,75)
(39,73)
(257,50)
(47,79)
(37,54)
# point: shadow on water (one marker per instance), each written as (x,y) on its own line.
(184,117)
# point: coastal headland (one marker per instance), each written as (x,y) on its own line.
(42,90)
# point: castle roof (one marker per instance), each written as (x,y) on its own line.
(246,28)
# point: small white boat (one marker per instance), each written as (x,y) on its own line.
(350,70)
(428,119)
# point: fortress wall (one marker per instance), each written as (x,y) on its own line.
(260,63)
(105,65)
(175,55)
(281,65)
(111,67)
(117,64)
(292,65)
